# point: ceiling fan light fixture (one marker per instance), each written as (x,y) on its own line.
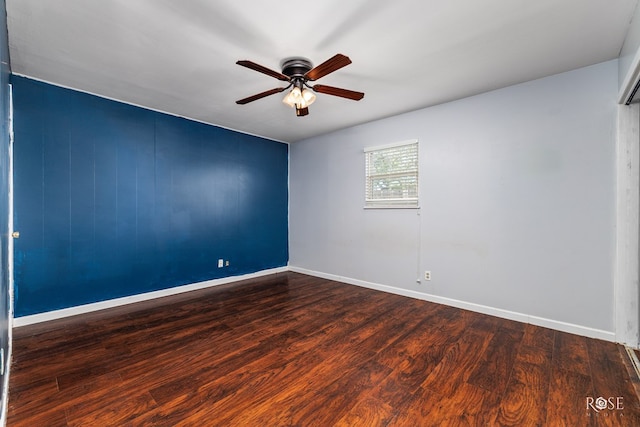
(299,98)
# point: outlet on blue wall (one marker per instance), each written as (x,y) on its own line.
(113,200)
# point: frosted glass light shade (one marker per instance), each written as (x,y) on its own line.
(309,97)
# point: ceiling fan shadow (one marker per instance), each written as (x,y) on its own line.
(220,20)
(350,21)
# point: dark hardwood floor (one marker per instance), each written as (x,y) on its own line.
(296,350)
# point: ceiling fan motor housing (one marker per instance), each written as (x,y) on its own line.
(296,67)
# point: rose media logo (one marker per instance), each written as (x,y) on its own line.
(602,405)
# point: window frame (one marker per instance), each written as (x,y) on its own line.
(389,203)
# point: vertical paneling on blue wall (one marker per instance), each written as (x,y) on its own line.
(114,200)
(5,72)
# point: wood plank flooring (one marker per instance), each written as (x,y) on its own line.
(294,350)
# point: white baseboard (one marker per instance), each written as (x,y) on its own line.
(88,308)
(505,314)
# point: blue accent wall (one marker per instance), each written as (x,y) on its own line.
(113,200)
(5,303)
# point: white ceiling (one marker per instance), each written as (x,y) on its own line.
(179,56)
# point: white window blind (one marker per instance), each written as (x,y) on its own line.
(392,175)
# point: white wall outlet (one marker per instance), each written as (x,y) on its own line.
(220,263)
(427,275)
(226,264)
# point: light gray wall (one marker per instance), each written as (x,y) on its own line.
(517,200)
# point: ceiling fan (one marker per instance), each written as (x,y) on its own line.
(298,72)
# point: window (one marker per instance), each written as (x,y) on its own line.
(392,175)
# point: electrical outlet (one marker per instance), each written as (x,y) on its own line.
(427,275)
(220,263)
(226,264)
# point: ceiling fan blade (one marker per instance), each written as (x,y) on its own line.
(329,66)
(260,95)
(336,91)
(269,72)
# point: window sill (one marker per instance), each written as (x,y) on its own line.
(391,207)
